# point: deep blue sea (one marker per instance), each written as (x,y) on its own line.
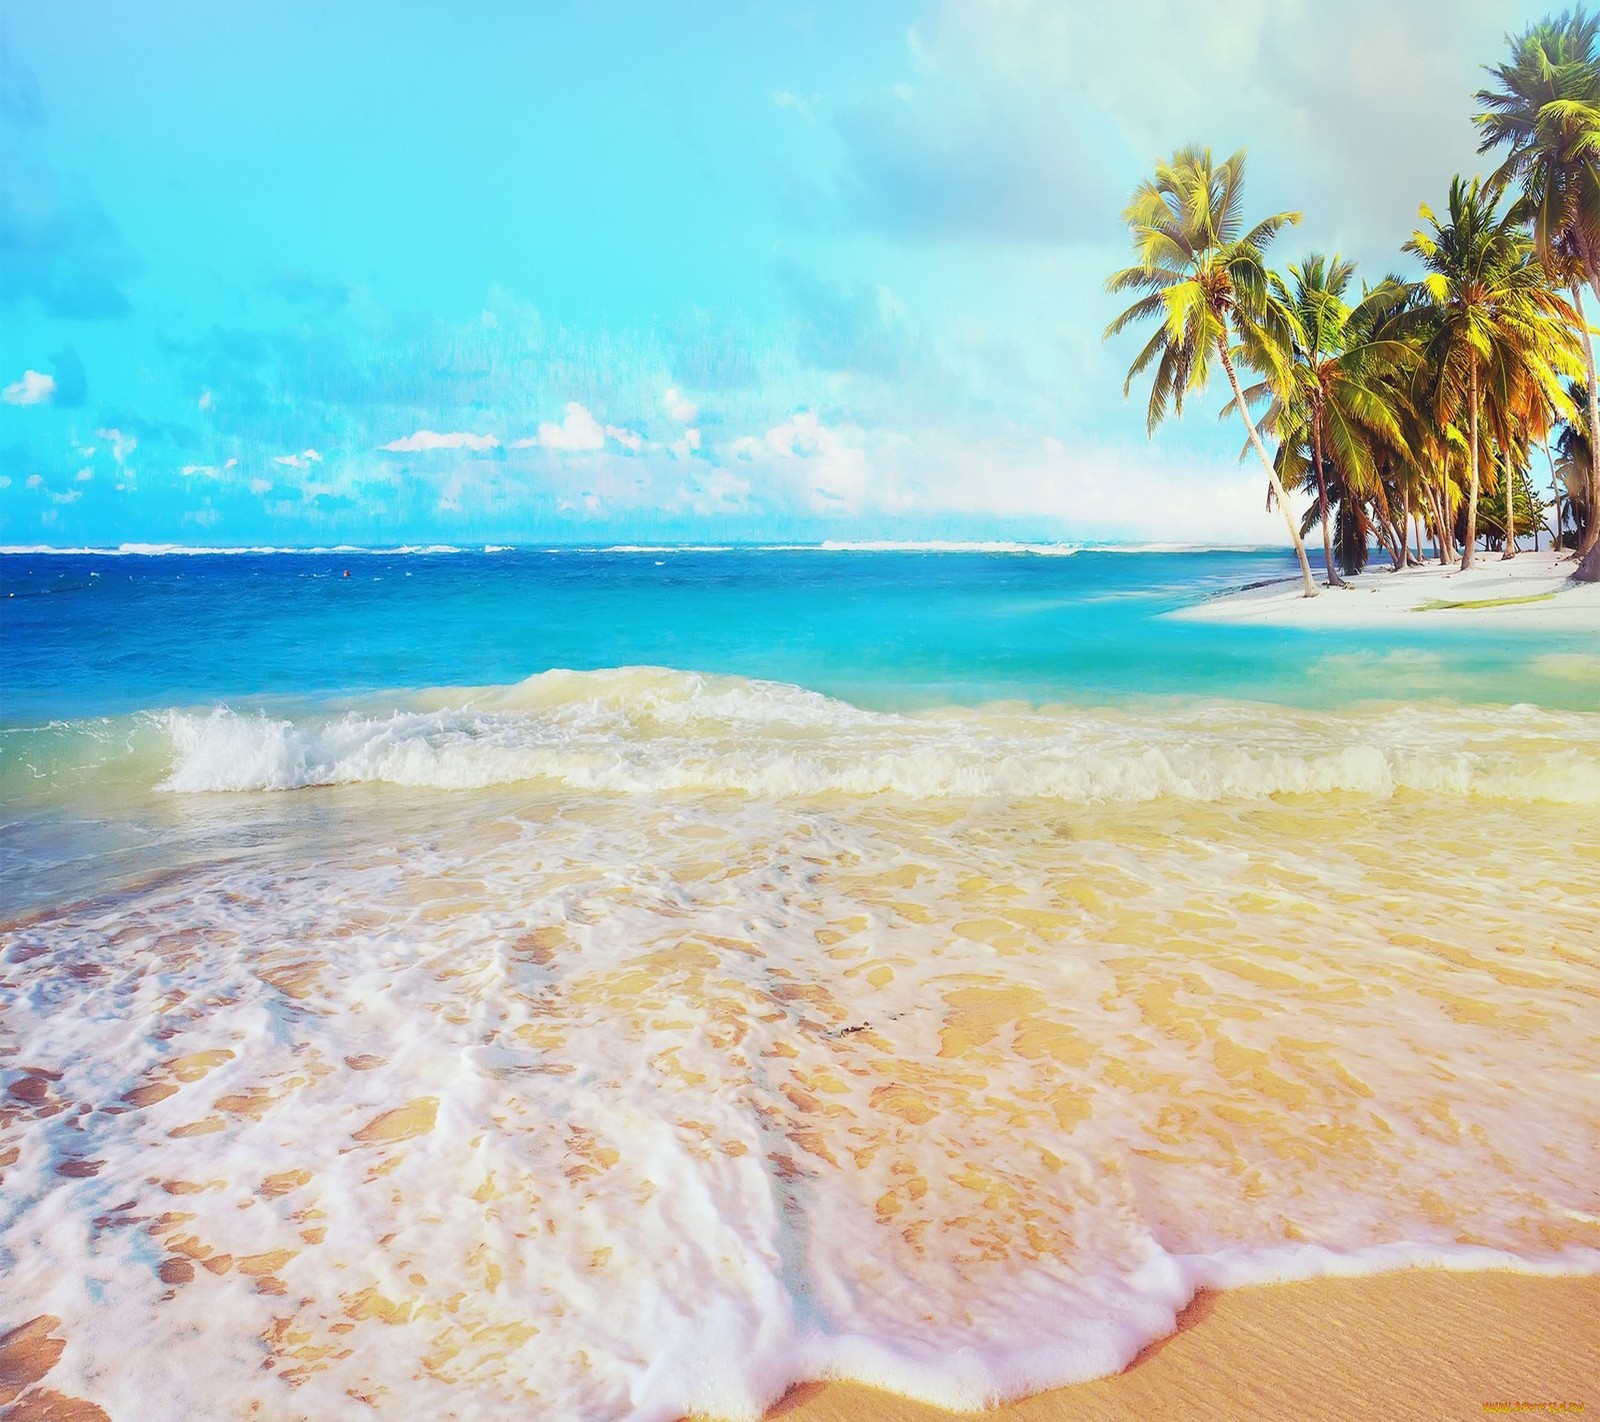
(97,635)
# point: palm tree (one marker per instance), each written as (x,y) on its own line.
(1414,472)
(1205,280)
(1522,398)
(1382,316)
(1545,108)
(1334,382)
(1489,293)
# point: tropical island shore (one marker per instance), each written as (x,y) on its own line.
(1530,591)
(1419,1344)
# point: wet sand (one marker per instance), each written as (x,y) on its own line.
(1420,1344)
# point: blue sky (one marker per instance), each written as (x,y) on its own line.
(394,273)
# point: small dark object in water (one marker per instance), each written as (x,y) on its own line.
(850,1031)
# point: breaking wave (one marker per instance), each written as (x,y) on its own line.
(642,730)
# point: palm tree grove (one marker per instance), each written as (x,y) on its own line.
(1408,412)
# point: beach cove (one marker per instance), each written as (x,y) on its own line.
(613,1040)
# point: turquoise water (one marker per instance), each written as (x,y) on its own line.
(128,677)
(98,636)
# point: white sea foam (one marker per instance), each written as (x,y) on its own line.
(646,730)
(663,548)
(542,1103)
(944,545)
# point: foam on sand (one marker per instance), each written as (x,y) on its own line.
(531,1099)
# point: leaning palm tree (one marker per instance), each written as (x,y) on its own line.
(1334,379)
(1489,292)
(1205,280)
(1545,109)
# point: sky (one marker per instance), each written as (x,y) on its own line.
(392,273)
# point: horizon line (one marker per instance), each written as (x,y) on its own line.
(1062,547)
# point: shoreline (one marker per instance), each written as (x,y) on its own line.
(1533,592)
(1419,1344)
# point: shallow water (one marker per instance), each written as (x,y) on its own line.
(615,1043)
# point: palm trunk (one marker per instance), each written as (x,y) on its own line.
(1335,580)
(1591,535)
(1272,474)
(1386,526)
(1436,504)
(1418,526)
(1472,465)
(1444,546)
(1511,517)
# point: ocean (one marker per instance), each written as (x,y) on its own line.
(612,983)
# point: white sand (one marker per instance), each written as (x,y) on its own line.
(1382,597)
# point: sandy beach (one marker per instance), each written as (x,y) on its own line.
(1532,591)
(1421,1344)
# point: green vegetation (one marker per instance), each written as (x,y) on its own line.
(1409,406)
(1435,604)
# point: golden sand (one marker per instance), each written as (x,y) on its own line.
(1421,1344)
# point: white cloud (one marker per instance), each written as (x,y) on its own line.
(70,497)
(35,388)
(83,476)
(36,481)
(1082,490)
(5,481)
(121,445)
(204,401)
(829,465)
(209,471)
(679,408)
(431,439)
(304,460)
(261,486)
(579,432)
(1047,487)
(685,445)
